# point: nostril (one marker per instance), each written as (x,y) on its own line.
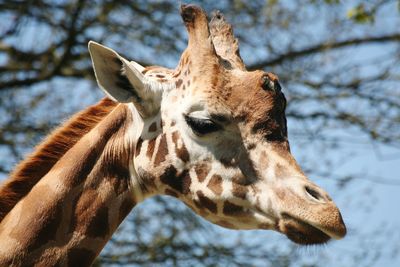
(314,194)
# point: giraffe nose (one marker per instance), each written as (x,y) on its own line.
(316,194)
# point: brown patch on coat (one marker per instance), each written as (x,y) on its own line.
(150,147)
(35,166)
(90,216)
(239,190)
(202,171)
(181,152)
(50,216)
(98,226)
(153,127)
(207,203)
(125,208)
(180,182)
(162,151)
(178,83)
(232,209)
(80,257)
(215,184)
(241,179)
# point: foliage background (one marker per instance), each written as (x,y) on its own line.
(338,62)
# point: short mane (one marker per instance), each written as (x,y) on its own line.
(35,166)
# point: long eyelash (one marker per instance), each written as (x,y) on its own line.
(202,126)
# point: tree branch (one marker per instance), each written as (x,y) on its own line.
(321,47)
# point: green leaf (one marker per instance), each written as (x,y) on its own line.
(332,2)
(360,14)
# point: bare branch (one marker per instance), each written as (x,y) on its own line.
(291,55)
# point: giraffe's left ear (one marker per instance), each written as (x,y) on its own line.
(123,81)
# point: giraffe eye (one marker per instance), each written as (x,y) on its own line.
(202,126)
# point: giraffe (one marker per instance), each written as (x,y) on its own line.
(209,133)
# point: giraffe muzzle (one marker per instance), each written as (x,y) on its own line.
(301,232)
(315,226)
(309,216)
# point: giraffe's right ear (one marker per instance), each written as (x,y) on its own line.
(123,81)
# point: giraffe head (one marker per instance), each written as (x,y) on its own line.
(214,135)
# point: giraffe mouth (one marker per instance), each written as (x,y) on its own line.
(301,232)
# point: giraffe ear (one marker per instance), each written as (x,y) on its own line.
(123,81)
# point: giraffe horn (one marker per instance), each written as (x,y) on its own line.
(196,22)
(225,43)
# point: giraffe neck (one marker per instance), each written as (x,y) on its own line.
(70,214)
